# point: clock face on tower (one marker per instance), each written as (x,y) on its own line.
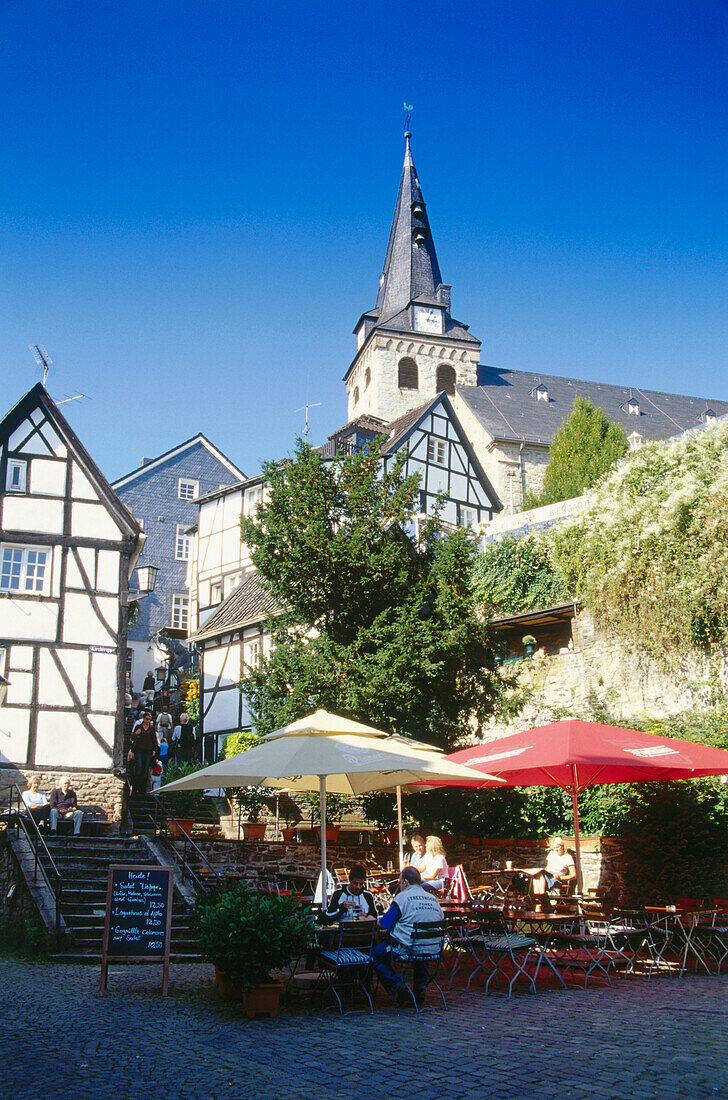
(428,319)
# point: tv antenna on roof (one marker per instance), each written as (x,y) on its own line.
(42,358)
(307,406)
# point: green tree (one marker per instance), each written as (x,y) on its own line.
(516,574)
(586,445)
(373,625)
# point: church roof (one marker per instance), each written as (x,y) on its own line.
(248,603)
(507,404)
(410,269)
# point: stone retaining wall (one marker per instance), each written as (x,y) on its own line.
(94,789)
(20,925)
(601,858)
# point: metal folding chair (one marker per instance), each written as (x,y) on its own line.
(346,965)
(495,950)
(425,954)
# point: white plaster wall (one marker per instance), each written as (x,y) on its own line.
(28,620)
(47,476)
(93,521)
(107,579)
(33,514)
(14,731)
(21,657)
(81,487)
(103,681)
(62,741)
(225,662)
(52,691)
(20,688)
(81,623)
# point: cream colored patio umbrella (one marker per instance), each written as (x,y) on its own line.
(331,754)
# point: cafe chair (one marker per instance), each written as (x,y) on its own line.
(495,951)
(346,965)
(423,956)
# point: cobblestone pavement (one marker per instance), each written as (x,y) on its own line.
(664,1038)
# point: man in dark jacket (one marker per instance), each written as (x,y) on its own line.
(64,804)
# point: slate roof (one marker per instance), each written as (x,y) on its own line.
(505,403)
(248,603)
(410,269)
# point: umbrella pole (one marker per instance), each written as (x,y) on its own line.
(575,807)
(399,828)
(324,874)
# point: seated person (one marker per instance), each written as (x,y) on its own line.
(413,903)
(36,801)
(352,900)
(64,804)
(435,869)
(418,856)
(560,870)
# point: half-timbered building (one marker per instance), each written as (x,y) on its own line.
(229,605)
(67,549)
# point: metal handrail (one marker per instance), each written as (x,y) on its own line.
(21,820)
(184,865)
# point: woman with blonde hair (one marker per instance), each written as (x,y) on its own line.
(435,870)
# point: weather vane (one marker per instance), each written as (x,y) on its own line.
(408,109)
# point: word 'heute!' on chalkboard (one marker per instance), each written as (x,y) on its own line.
(138,912)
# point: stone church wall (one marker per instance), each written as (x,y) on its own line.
(602,668)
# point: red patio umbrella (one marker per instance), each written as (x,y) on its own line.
(574,754)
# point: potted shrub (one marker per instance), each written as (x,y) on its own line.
(181,806)
(246,935)
(336,807)
(529,643)
(251,801)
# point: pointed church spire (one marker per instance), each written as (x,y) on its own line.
(411,269)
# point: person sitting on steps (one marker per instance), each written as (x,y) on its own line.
(64,804)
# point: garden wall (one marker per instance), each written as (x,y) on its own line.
(601,858)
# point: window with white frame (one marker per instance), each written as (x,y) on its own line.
(252,653)
(187,489)
(216,592)
(180,611)
(253,498)
(436,450)
(633,407)
(468,516)
(23,569)
(182,544)
(231,582)
(17,475)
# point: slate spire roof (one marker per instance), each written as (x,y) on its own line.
(411,269)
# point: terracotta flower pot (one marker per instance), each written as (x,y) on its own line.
(181,826)
(254,830)
(228,988)
(263,1000)
(289,835)
(332,833)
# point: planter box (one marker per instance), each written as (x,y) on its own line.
(181,826)
(263,1000)
(289,835)
(254,830)
(332,833)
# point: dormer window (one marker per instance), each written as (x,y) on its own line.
(16,479)
(542,393)
(710,417)
(633,407)
(635,441)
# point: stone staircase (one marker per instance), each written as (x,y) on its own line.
(83,863)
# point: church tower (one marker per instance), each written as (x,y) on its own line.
(409,348)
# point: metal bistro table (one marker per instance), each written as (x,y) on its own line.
(685,927)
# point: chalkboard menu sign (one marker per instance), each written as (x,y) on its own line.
(138,917)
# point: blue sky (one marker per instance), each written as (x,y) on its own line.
(196,197)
